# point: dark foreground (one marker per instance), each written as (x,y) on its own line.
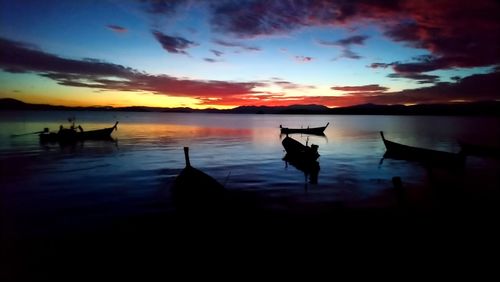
(156,244)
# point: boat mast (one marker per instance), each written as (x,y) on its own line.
(186,156)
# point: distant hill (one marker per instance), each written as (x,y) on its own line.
(491,108)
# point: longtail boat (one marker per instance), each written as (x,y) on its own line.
(68,135)
(297,150)
(308,130)
(195,190)
(399,151)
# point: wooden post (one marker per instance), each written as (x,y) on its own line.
(382,134)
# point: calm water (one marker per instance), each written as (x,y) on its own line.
(50,186)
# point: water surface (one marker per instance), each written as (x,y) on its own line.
(44,186)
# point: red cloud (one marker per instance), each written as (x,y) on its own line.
(18,57)
(456,33)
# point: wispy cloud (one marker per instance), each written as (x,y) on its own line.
(345,42)
(211,60)
(419,77)
(116,28)
(236,45)
(364,88)
(217,53)
(303,59)
(290,85)
(349,54)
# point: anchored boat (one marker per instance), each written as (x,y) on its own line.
(68,135)
(297,150)
(308,130)
(400,151)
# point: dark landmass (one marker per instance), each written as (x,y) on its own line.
(483,108)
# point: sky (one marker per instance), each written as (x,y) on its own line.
(229,53)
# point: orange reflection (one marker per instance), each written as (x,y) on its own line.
(179,131)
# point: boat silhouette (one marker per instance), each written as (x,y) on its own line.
(194,190)
(399,151)
(298,151)
(69,135)
(308,130)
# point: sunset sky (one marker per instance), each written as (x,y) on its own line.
(229,53)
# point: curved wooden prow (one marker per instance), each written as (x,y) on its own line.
(327,124)
(186,156)
(382,134)
(115,126)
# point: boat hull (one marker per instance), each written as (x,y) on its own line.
(312,130)
(195,191)
(298,151)
(69,135)
(399,151)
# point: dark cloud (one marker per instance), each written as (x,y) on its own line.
(479,87)
(472,88)
(253,18)
(20,57)
(116,28)
(346,53)
(217,53)
(173,44)
(345,45)
(346,42)
(236,45)
(211,60)
(353,40)
(163,6)
(415,69)
(457,33)
(419,77)
(362,88)
(380,65)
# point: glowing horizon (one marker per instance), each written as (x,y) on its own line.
(201,54)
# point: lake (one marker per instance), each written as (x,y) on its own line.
(243,152)
(48,191)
